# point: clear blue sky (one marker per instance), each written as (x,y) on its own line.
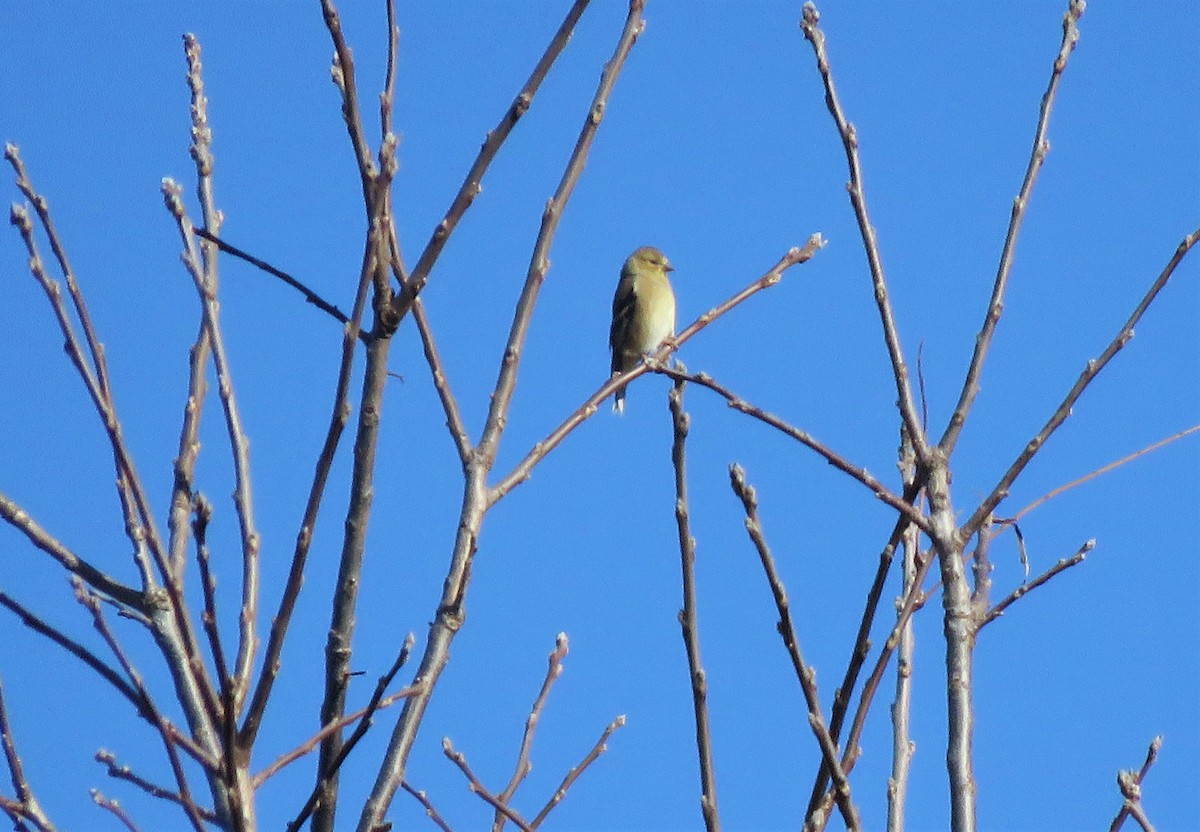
(717,148)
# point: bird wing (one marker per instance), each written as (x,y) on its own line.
(625,303)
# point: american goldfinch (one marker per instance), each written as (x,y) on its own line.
(643,312)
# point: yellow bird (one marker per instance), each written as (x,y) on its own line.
(643,312)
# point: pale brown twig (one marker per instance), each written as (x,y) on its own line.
(524,766)
(1041,147)
(835,459)
(809,24)
(524,469)
(364,724)
(1130,783)
(1063,565)
(804,673)
(687,616)
(26,804)
(599,748)
(115,808)
(478,788)
(472,184)
(430,811)
(311,743)
(1104,469)
(204,280)
(156,718)
(123,772)
(1090,371)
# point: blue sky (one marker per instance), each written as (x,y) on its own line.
(717,148)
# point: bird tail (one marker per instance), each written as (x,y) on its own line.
(619,402)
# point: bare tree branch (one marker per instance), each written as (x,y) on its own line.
(1104,469)
(430,811)
(122,772)
(1018,593)
(599,748)
(809,24)
(1130,783)
(476,498)
(832,457)
(524,766)
(804,673)
(1093,368)
(1041,146)
(478,788)
(112,806)
(687,616)
(26,805)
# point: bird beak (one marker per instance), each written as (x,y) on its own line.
(667,267)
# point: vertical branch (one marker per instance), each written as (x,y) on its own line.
(687,616)
(902,744)
(524,766)
(960,626)
(206,284)
(1130,783)
(1041,147)
(804,673)
(476,495)
(809,24)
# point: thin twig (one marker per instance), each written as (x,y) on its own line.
(92,604)
(364,724)
(681,422)
(1041,147)
(1130,783)
(472,184)
(524,469)
(478,788)
(243,495)
(1050,495)
(430,811)
(20,520)
(804,673)
(111,805)
(1090,371)
(28,804)
(122,772)
(832,457)
(809,24)
(1063,565)
(524,766)
(599,748)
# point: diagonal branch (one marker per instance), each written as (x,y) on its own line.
(804,673)
(524,766)
(1090,371)
(472,184)
(809,24)
(1041,147)
(26,803)
(599,748)
(911,512)
(1018,593)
